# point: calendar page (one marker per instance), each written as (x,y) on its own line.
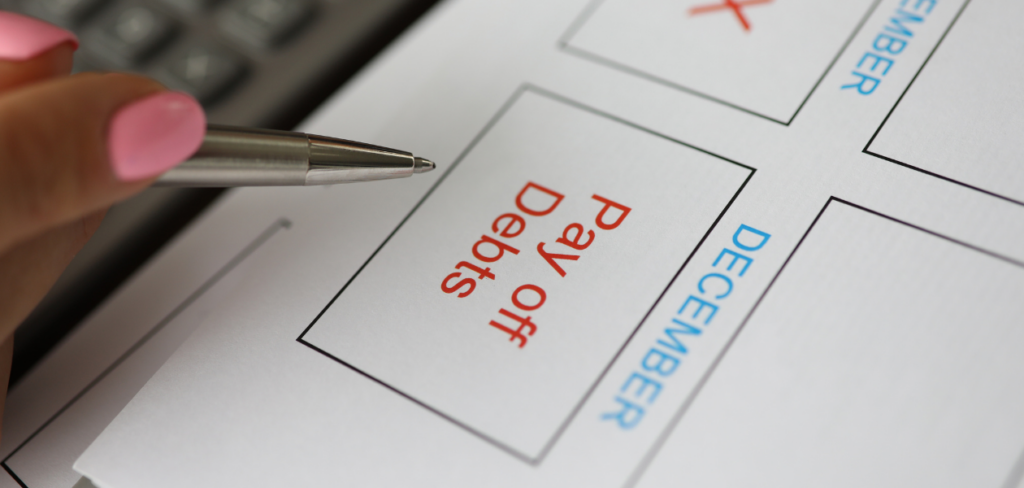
(669,242)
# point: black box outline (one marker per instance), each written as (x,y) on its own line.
(526,87)
(581,19)
(652,452)
(867,146)
(256,243)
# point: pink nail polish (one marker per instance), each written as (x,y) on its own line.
(24,38)
(154,134)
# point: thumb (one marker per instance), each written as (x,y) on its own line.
(72,146)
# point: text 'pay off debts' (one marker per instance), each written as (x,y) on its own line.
(534,201)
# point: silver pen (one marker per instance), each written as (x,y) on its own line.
(237,156)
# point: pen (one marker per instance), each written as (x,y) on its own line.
(238,156)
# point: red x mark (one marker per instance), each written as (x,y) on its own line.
(733,5)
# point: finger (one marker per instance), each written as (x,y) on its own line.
(74,145)
(29,269)
(50,64)
(32,50)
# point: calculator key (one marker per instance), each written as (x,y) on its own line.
(65,13)
(264,23)
(190,6)
(203,70)
(130,34)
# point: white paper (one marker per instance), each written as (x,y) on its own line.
(962,119)
(875,381)
(690,343)
(584,309)
(66,401)
(741,61)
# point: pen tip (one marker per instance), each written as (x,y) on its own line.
(423,165)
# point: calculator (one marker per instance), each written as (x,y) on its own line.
(257,63)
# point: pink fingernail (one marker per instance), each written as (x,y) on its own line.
(154,134)
(24,38)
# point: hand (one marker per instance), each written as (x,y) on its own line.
(70,146)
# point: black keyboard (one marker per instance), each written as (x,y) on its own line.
(259,63)
(245,60)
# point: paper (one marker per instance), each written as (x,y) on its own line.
(802,272)
(66,401)
(873,367)
(581,300)
(733,55)
(956,122)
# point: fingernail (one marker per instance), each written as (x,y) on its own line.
(154,134)
(24,38)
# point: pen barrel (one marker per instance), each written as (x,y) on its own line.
(233,156)
(336,161)
(244,157)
